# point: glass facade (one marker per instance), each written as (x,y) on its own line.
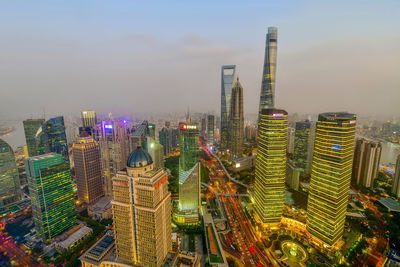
(31,127)
(330,175)
(267,96)
(210,129)
(10,190)
(228,77)
(270,173)
(303,143)
(189,179)
(89,118)
(52,197)
(164,137)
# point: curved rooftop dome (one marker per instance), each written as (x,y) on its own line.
(139,158)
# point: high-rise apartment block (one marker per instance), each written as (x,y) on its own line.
(10,190)
(330,176)
(89,118)
(31,127)
(86,153)
(52,196)
(142,212)
(228,78)
(270,173)
(367,155)
(236,122)
(267,96)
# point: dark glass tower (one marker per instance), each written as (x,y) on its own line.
(267,96)
(55,137)
(10,191)
(31,128)
(303,145)
(228,77)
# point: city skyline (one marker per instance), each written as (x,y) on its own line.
(310,62)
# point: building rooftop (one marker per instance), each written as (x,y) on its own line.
(98,252)
(74,237)
(390,204)
(336,116)
(274,112)
(139,158)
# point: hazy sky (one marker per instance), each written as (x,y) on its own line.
(162,56)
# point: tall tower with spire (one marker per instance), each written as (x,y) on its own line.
(228,77)
(236,122)
(267,96)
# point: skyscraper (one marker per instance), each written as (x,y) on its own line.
(330,175)
(210,129)
(89,118)
(189,178)
(165,140)
(267,96)
(114,141)
(142,212)
(303,145)
(52,196)
(87,163)
(270,173)
(367,155)
(52,135)
(31,127)
(10,190)
(236,122)
(156,151)
(228,77)
(396,179)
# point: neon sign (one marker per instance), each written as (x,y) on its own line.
(162,181)
(108,126)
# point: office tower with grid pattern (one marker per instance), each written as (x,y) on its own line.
(86,153)
(303,145)
(270,173)
(142,212)
(330,176)
(210,129)
(10,190)
(52,196)
(228,78)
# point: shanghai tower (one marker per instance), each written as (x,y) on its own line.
(267,96)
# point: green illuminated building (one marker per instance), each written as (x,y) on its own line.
(330,176)
(31,127)
(270,173)
(189,175)
(50,189)
(10,191)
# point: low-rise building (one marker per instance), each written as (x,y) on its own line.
(244,163)
(72,237)
(101,209)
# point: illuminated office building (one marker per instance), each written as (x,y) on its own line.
(31,127)
(367,155)
(142,212)
(303,145)
(330,176)
(156,152)
(10,190)
(52,196)
(189,178)
(270,173)
(267,96)
(228,78)
(86,153)
(140,133)
(89,118)
(236,122)
(210,129)
(114,141)
(396,179)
